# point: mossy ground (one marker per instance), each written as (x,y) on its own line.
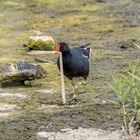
(101,23)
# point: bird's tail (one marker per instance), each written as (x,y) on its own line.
(84,46)
(88,51)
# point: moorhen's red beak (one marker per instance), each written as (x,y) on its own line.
(57,49)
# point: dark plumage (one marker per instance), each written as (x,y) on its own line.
(76,63)
(75,60)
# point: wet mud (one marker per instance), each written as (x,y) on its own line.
(110,26)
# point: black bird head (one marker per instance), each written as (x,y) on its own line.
(63,48)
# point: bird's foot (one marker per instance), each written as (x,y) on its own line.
(83,83)
(74,99)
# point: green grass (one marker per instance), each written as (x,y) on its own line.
(2,2)
(127,88)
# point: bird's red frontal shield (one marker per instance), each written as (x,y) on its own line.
(57,49)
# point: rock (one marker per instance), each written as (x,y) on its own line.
(20,72)
(40,43)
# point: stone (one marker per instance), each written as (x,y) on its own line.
(20,72)
(40,43)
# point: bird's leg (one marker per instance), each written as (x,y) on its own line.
(74,91)
(83,83)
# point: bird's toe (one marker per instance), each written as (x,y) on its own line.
(84,82)
(73,98)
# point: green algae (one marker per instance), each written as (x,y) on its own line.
(40,45)
(39,22)
(53,80)
(2,2)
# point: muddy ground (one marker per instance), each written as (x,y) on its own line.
(110,26)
